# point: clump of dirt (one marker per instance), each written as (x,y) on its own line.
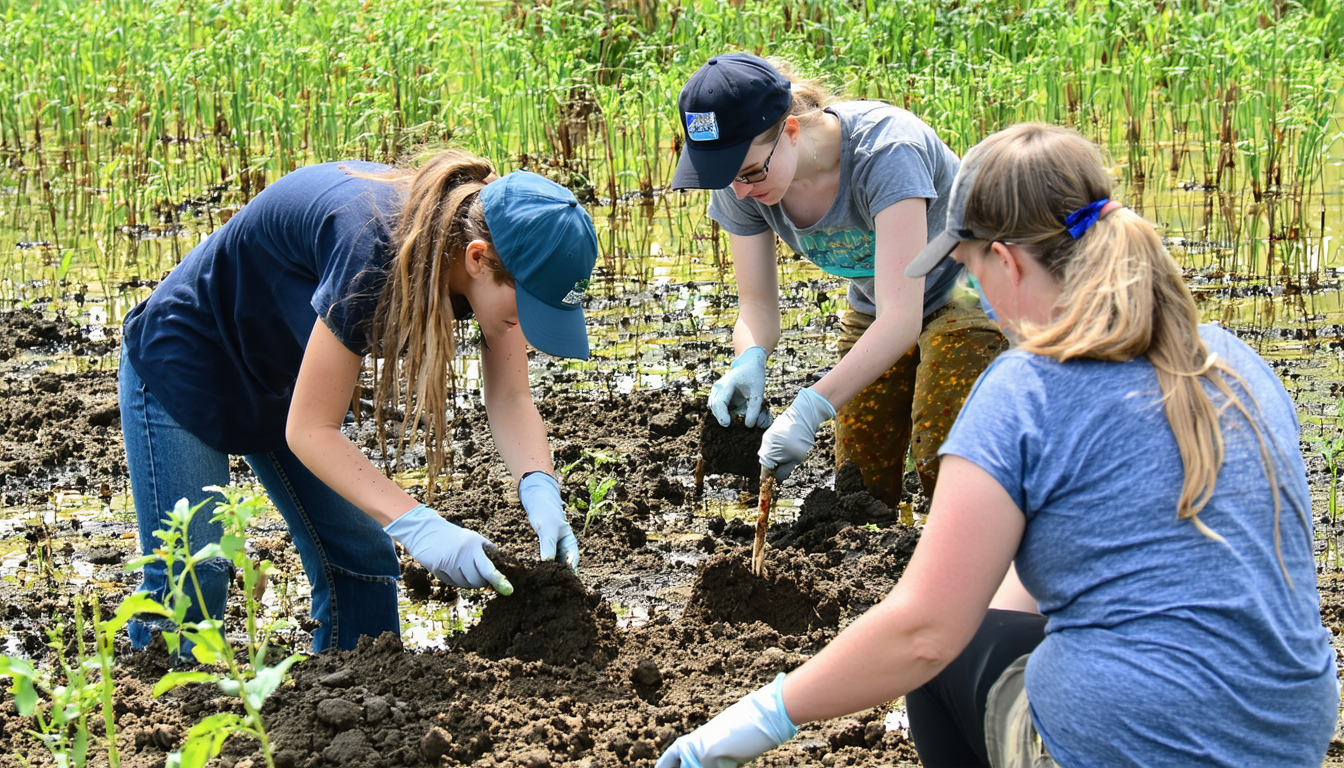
(826,513)
(730,450)
(789,596)
(58,429)
(549,617)
(26,328)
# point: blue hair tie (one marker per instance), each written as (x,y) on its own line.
(1082,219)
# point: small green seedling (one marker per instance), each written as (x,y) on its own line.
(597,504)
(79,689)
(252,682)
(1331,447)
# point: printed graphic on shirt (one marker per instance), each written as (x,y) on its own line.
(843,254)
(702,126)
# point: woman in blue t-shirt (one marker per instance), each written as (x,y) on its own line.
(254,344)
(855,187)
(1143,474)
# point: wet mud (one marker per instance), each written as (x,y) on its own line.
(662,627)
(731,450)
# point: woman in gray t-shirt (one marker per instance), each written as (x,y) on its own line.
(1144,474)
(856,187)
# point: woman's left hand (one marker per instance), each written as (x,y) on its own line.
(540,493)
(788,440)
(736,735)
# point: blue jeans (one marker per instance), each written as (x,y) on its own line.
(349,560)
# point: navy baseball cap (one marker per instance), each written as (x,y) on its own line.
(549,246)
(725,105)
(955,230)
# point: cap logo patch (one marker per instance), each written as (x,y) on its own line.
(702,126)
(575,294)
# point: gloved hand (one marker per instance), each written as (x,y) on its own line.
(540,493)
(450,552)
(788,440)
(736,735)
(741,390)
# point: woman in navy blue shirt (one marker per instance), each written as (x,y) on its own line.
(254,344)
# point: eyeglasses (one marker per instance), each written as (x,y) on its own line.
(756,177)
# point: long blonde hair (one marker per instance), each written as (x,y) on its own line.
(1122,294)
(413,325)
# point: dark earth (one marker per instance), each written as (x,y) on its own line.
(548,676)
(558,674)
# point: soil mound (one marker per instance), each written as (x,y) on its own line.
(549,617)
(730,450)
(826,513)
(789,596)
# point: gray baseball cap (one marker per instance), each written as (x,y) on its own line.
(955,230)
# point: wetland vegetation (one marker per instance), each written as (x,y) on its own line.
(131,129)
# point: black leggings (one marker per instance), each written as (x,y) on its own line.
(947,714)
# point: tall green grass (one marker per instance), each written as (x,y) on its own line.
(122,118)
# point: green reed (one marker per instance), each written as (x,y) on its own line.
(123,119)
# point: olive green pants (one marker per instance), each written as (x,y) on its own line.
(915,402)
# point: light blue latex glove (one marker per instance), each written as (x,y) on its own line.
(788,440)
(450,552)
(741,391)
(541,498)
(737,735)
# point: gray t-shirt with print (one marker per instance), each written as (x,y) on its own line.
(887,155)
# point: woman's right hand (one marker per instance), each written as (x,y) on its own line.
(742,391)
(450,552)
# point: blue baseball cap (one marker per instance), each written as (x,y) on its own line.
(725,105)
(547,243)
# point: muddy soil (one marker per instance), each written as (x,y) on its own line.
(663,626)
(550,676)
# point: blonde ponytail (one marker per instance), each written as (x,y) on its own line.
(809,97)
(1122,295)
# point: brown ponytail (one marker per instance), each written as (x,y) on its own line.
(1122,295)
(413,327)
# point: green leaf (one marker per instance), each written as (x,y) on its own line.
(208,551)
(206,739)
(229,686)
(138,563)
(201,648)
(10,666)
(267,680)
(80,749)
(139,602)
(174,679)
(232,544)
(25,695)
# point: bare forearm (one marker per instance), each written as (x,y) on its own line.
(882,655)
(885,342)
(757,326)
(329,455)
(520,435)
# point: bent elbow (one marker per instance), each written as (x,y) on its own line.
(299,436)
(934,649)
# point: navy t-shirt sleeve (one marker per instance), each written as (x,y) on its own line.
(999,427)
(351,241)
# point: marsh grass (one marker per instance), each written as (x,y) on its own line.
(130,127)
